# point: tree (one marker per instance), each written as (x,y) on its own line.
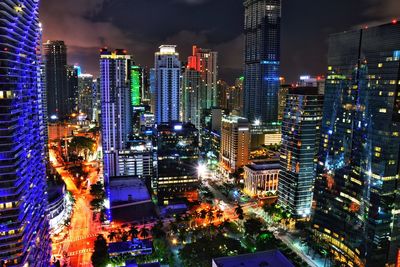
(157,230)
(100,257)
(124,236)
(210,215)
(239,211)
(112,235)
(83,144)
(96,204)
(133,231)
(252,226)
(144,232)
(203,214)
(97,190)
(219,214)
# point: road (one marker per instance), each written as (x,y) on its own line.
(76,249)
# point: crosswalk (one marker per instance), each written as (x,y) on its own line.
(69,240)
(79,252)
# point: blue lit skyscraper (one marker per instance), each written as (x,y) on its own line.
(116,111)
(357,183)
(262,59)
(24,235)
(167,71)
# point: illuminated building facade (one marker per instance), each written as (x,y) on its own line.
(191,97)
(356,190)
(178,155)
(283,91)
(116,111)
(262,59)
(56,79)
(73,73)
(136,80)
(235,141)
(261,178)
(85,94)
(24,237)
(166,83)
(205,62)
(300,138)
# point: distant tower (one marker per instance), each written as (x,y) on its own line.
(167,70)
(262,59)
(24,236)
(56,79)
(191,97)
(85,94)
(116,111)
(205,62)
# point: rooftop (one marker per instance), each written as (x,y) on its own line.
(271,258)
(264,165)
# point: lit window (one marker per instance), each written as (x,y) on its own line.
(380,65)
(382,110)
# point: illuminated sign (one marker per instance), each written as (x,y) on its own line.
(178,127)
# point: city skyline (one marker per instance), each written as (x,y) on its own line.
(305,29)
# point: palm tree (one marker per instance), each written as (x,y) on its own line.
(210,215)
(133,231)
(219,214)
(144,232)
(195,215)
(124,236)
(203,214)
(239,211)
(112,235)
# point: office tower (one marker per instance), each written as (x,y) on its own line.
(116,108)
(167,71)
(191,97)
(24,225)
(283,92)
(85,95)
(236,96)
(96,102)
(136,80)
(136,159)
(314,81)
(56,79)
(178,154)
(73,73)
(300,139)
(235,141)
(205,62)
(356,189)
(223,94)
(262,59)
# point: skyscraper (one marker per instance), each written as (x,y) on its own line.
(357,203)
(235,141)
(72,100)
(167,70)
(24,234)
(56,79)
(191,97)
(116,108)
(85,94)
(205,62)
(136,80)
(300,139)
(178,155)
(262,59)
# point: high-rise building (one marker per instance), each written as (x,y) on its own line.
(96,101)
(167,71)
(56,79)
(314,81)
(236,96)
(116,108)
(85,95)
(205,62)
(191,97)
(235,141)
(137,84)
(300,139)
(73,73)
(356,191)
(283,91)
(24,226)
(223,94)
(178,154)
(262,59)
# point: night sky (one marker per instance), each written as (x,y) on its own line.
(140,26)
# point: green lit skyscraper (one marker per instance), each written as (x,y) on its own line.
(136,85)
(357,184)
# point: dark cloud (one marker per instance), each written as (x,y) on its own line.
(141,26)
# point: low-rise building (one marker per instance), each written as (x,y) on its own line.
(265,258)
(261,178)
